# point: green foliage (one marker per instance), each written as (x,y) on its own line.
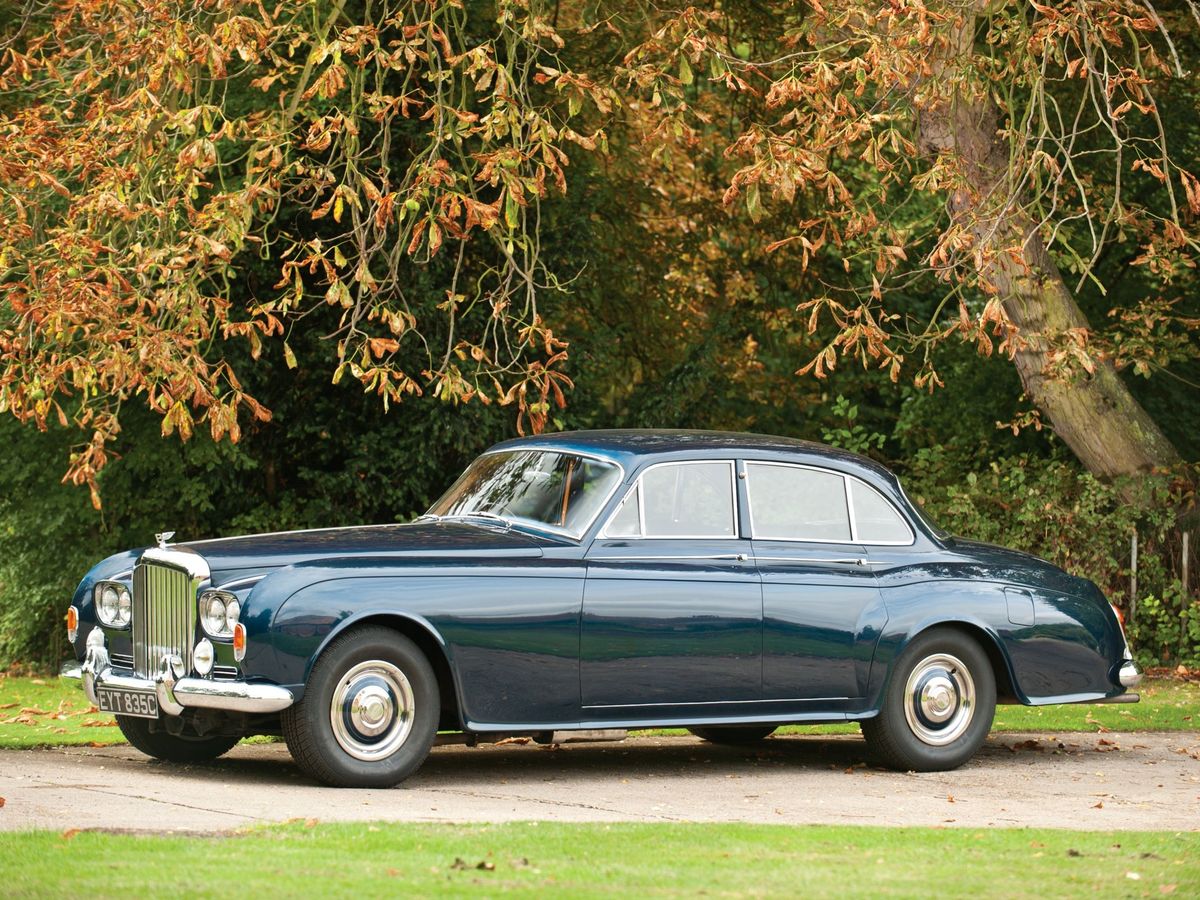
(851,435)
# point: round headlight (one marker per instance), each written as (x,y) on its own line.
(124,607)
(233,609)
(214,614)
(107,605)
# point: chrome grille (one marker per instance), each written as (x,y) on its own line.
(121,660)
(164,616)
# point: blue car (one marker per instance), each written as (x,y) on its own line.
(723,583)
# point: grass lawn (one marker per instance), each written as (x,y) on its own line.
(530,858)
(47,712)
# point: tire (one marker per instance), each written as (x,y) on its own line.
(733,734)
(173,748)
(938,704)
(369,713)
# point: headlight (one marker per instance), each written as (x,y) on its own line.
(219,612)
(114,606)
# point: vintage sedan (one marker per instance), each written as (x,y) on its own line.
(724,583)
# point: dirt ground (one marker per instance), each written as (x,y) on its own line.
(1086,781)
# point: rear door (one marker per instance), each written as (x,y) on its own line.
(822,610)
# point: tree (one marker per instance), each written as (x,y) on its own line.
(150,151)
(1039,130)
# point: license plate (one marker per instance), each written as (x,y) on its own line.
(142,704)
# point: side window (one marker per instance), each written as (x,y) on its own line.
(876,520)
(694,499)
(628,520)
(791,503)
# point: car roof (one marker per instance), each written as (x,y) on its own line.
(632,446)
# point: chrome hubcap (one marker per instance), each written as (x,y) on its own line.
(939,699)
(372,710)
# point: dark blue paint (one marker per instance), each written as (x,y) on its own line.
(540,631)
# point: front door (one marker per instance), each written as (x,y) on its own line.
(672,607)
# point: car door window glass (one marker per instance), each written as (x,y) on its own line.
(876,520)
(795,504)
(687,500)
(628,520)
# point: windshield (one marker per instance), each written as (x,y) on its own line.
(546,489)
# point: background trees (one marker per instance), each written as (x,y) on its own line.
(344,246)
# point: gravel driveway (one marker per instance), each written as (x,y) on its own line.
(1088,781)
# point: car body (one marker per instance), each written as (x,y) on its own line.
(726,583)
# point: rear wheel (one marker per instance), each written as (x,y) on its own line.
(369,714)
(181,748)
(938,705)
(733,734)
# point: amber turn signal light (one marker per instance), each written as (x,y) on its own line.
(239,642)
(72,623)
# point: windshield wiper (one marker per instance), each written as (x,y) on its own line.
(488,517)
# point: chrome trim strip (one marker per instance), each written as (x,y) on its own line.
(857,561)
(739,557)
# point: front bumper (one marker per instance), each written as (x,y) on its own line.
(176,693)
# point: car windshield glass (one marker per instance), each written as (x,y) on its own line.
(940,533)
(541,488)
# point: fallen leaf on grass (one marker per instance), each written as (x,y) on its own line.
(37,681)
(1167,888)
(1073,852)
(69,833)
(96,723)
(7,705)
(486,866)
(392,873)
(1133,876)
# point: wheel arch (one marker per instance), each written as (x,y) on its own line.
(428,641)
(993,647)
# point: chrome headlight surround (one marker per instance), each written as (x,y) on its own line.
(219,612)
(114,603)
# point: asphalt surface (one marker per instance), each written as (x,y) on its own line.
(1087,781)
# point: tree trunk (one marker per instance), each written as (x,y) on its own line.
(1095,415)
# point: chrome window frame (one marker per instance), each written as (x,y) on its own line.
(847,495)
(541,526)
(637,486)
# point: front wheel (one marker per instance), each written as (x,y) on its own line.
(182,748)
(369,714)
(938,705)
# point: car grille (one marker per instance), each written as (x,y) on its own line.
(121,660)
(164,616)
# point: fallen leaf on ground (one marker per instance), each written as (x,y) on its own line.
(1073,852)
(1,801)
(69,833)
(1099,805)
(485,866)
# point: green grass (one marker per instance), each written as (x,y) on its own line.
(47,712)
(594,860)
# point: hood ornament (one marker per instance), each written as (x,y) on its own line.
(162,539)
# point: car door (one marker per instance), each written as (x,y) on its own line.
(672,608)
(822,609)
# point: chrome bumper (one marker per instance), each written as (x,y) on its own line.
(175,693)
(1129,675)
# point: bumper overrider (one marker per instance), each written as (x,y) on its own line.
(174,691)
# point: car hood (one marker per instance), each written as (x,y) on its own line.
(261,552)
